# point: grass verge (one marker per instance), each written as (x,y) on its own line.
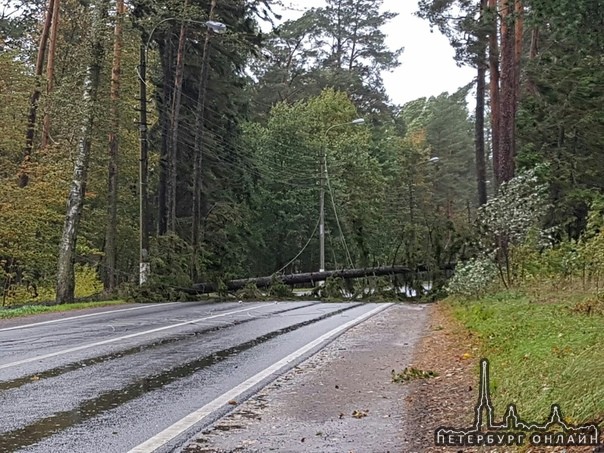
(28,310)
(540,354)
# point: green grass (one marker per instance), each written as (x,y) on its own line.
(28,310)
(540,354)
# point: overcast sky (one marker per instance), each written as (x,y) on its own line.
(427,66)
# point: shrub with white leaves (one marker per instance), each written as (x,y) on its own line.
(472,278)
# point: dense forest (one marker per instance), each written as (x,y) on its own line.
(179,141)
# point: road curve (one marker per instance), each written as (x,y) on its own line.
(147,379)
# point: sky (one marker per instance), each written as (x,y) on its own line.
(427,65)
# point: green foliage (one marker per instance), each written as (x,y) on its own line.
(567,263)
(380,288)
(472,278)
(278,289)
(286,152)
(509,219)
(560,118)
(333,289)
(222,289)
(87,282)
(170,261)
(27,291)
(250,292)
(518,208)
(170,258)
(304,62)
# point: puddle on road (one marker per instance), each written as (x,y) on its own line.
(35,432)
(54,372)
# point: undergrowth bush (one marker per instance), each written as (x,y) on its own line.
(87,285)
(472,278)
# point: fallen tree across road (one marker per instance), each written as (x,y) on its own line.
(306,277)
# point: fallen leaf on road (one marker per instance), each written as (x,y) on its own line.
(360,414)
(232,402)
(411,373)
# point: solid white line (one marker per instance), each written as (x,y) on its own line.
(125,337)
(25,326)
(193,418)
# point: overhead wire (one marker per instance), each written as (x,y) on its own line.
(335,211)
(267,172)
(302,250)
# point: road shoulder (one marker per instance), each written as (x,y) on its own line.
(340,400)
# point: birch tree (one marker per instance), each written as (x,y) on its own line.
(75,203)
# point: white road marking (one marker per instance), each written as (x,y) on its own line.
(125,337)
(25,326)
(193,418)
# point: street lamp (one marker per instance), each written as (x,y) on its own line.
(323,164)
(144,264)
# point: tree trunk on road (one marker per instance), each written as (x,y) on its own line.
(307,277)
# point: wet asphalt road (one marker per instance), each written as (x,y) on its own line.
(112,381)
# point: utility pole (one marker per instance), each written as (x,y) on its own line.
(144,266)
(322,179)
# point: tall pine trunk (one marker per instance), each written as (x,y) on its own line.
(65,272)
(481,167)
(50,70)
(494,89)
(198,150)
(174,123)
(507,125)
(111,233)
(35,97)
(519,35)
(164,118)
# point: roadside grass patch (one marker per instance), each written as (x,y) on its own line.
(28,310)
(540,354)
(411,374)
